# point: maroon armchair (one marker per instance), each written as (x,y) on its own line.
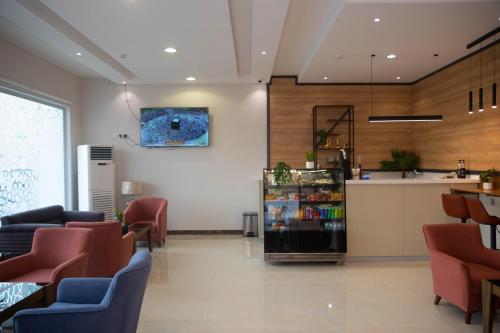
(109,250)
(56,253)
(459,262)
(151,211)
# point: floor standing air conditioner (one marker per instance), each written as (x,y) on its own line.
(96,179)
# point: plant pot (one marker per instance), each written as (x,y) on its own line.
(310,165)
(487,186)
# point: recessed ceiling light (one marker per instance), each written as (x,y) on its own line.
(191,78)
(377,19)
(78,53)
(325,77)
(123,82)
(391,56)
(398,77)
(171,50)
(499,18)
(263,52)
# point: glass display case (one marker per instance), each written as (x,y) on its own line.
(304,219)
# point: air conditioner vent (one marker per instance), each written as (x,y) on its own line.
(101,153)
(102,201)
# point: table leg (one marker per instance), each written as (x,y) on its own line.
(150,240)
(487,306)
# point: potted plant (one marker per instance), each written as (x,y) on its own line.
(323,136)
(310,157)
(402,160)
(282,173)
(486,178)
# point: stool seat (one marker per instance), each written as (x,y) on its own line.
(479,214)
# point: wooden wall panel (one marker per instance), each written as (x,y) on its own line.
(291,119)
(475,138)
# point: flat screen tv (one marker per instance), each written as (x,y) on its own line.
(174,127)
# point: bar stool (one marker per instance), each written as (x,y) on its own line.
(479,214)
(454,205)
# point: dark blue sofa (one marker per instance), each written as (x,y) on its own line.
(97,305)
(16,232)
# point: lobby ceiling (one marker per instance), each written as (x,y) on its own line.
(241,41)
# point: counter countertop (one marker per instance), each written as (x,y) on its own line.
(411,181)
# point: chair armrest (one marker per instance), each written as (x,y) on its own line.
(17,266)
(76,267)
(161,219)
(82,216)
(491,258)
(129,214)
(83,290)
(450,278)
(74,319)
(128,241)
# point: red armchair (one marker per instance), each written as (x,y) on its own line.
(56,253)
(109,250)
(459,262)
(148,211)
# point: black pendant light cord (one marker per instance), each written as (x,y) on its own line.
(371,78)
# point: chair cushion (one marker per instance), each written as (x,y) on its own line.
(26,227)
(154,228)
(478,272)
(39,275)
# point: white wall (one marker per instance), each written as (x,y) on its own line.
(207,188)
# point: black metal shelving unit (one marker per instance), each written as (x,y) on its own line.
(305,220)
(338,122)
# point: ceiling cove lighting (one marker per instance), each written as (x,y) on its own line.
(396,118)
(391,56)
(191,78)
(171,50)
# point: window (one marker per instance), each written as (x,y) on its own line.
(32,154)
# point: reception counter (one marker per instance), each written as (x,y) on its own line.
(385,216)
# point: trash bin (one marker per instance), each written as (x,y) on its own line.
(250,226)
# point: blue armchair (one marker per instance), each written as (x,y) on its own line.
(93,304)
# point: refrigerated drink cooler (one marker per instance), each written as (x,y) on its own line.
(304,220)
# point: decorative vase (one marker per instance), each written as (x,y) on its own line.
(310,165)
(487,186)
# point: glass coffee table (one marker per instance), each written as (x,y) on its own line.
(15,296)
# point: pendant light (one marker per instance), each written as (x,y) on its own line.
(494,85)
(400,118)
(471,102)
(481,108)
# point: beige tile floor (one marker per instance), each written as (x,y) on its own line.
(222,284)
